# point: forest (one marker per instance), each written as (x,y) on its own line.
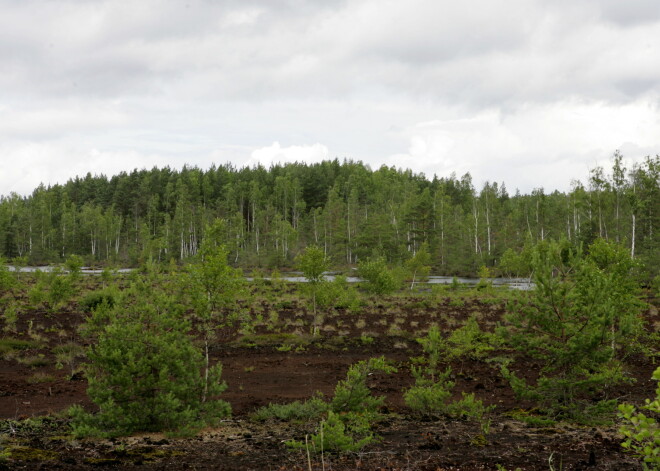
(350,210)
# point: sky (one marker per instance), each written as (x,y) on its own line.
(530,93)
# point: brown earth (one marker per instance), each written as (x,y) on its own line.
(264,368)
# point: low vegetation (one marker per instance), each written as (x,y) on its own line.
(149,345)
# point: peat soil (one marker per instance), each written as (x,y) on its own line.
(282,361)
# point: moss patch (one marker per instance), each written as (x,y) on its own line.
(24,453)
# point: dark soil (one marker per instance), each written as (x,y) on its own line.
(268,367)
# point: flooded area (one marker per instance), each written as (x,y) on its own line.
(297,277)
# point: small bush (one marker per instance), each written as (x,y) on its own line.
(433,387)
(347,427)
(429,398)
(353,395)
(10,315)
(348,433)
(583,308)
(9,345)
(642,432)
(144,371)
(469,408)
(378,278)
(297,411)
(93,300)
(471,341)
(34,361)
(69,355)
(338,293)
(40,378)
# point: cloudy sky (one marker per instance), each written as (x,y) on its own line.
(527,92)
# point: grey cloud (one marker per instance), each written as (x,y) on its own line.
(630,12)
(481,53)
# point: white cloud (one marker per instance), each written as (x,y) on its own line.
(534,146)
(275,153)
(26,165)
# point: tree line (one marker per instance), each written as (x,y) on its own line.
(346,208)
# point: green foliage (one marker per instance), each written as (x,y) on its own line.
(295,411)
(347,433)
(485,275)
(212,287)
(353,395)
(429,396)
(60,289)
(432,388)
(347,427)
(349,208)
(574,322)
(468,407)
(338,293)
(10,316)
(55,288)
(642,432)
(470,341)
(379,279)
(92,300)
(455,284)
(144,371)
(8,344)
(69,355)
(419,265)
(7,281)
(512,263)
(74,265)
(313,263)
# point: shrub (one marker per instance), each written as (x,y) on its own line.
(300,411)
(10,315)
(7,281)
(93,300)
(379,279)
(419,264)
(74,265)
(340,434)
(353,395)
(60,288)
(313,262)
(212,287)
(574,321)
(469,408)
(428,396)
(347,427)
(485,278)
(338,293)
(144,372)
(54,288)
(469,340)
(69,355)
(642,432)
(433,387)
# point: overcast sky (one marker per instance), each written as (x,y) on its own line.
(531,93)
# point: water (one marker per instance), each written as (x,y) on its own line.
(513,283)
(49,268)
(297,277)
